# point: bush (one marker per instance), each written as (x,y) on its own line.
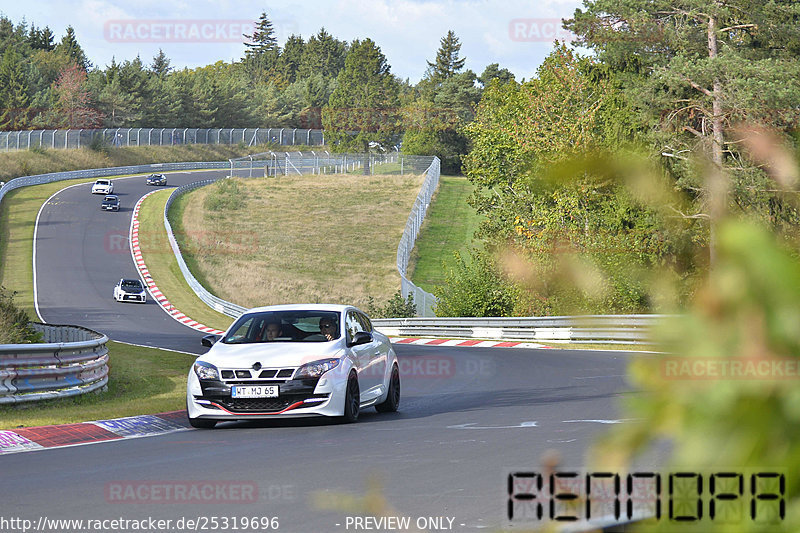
(476,288)
(14,322)
(98,144)
(396,307)
(225,195)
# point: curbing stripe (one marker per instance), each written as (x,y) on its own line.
(465,343)
(157,295)
(44,437)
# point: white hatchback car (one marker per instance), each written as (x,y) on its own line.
(103,186)
(130,290)
(294,361)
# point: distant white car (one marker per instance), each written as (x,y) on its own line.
(130,290)
(103,186)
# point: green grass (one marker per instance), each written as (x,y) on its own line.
(18,212)
(142,381)
(449,227)
(163,266)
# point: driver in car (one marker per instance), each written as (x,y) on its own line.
(328,328)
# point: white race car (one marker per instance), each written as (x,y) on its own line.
(103,186)
(294,361)
(130,290)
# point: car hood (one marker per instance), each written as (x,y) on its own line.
(271,354)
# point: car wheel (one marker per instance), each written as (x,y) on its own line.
(352,399)
(392,401)
(202,423)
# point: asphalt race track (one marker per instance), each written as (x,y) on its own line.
(468,417)
(83,251)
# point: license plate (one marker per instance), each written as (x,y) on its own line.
(254,391)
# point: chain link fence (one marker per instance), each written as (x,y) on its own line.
(283,163)
(323,162)
(77,138)
(424,301)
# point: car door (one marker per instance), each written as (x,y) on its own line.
(380,353)
(364,353)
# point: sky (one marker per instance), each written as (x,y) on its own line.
(516,34)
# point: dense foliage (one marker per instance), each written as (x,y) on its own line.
(14,328)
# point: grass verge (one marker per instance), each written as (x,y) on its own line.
(449,227)
(163,266)
(142,381)
(18,212)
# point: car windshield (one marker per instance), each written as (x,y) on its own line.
(101,182)
(131,284)
(284,326)
(110,198)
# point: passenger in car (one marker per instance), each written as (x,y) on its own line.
(273,330)
(328,328)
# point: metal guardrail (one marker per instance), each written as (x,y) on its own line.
(589,329)
(73,360)
(423,300)
(76,138)
(268,164)
(209,299)
(40,179)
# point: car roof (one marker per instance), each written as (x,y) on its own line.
(302,307)
(110,197)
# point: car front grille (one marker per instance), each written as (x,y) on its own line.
(134,297)
(266,405)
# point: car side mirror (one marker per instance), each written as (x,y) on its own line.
(209,340)
(362,337)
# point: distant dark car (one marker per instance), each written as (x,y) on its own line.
(110,203)
(156,179)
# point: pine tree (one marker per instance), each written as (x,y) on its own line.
(160,66)
(13,92)
(70,47)
(447,62)
(323,54)
(263,39)
(364,101)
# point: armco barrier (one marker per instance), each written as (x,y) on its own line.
(594,329)
(39,179)
(71,361)
(212,301)
(245,167)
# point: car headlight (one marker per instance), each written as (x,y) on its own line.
(205,370)
(316,369)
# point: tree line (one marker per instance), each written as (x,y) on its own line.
(320,82)
(604,176)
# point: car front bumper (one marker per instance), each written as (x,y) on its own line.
(297,399)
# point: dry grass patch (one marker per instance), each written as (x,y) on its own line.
(301,239)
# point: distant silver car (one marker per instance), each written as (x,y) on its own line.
(294,361)
(130,290)
(156,179)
